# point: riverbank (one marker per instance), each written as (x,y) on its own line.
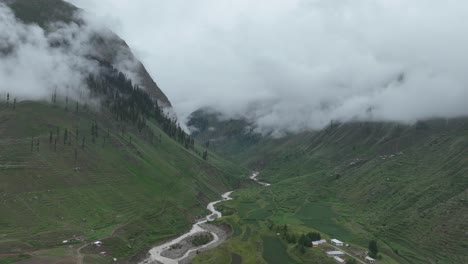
(181,250)
(223,233)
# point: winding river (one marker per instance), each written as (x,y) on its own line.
(156,252)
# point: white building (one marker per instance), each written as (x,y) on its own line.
(339,260)
(98,243)
(336,242)
(318,242)
(369,260)
(335,253)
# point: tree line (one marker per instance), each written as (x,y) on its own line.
(129,103)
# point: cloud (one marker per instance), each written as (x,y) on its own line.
(297,64)
(34,63)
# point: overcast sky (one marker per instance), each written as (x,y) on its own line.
(297,64)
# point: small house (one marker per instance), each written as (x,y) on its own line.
(318,243)
(339,260)
(369,260)
(97,243)
(336,242)
(335,253)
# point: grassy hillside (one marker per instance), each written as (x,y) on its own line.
(404,185)
(123,189)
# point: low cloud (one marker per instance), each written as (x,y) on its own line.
(33,66)
(298,64)
(34,62)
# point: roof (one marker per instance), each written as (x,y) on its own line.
(340,260)
(336,241)
(322,241)
(369,258)
(336,252)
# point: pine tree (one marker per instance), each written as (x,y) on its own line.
(65,136)
(303,241)
(302,249)
(373,250)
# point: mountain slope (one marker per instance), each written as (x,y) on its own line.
(404,185)
(110,166)
(122,186)
(108,47)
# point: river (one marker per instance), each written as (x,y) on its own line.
(156,252)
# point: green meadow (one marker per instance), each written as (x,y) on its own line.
(402,185)
(121,189)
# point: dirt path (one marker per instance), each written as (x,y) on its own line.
(79,256)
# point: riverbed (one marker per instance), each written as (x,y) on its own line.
(200,227)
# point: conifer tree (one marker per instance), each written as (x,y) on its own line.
(65,136)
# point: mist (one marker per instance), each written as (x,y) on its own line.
(296,65)
(36,63)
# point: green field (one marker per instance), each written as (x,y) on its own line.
(403,185)
(321,216)
(274,251)
(121,189)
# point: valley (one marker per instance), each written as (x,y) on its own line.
(356,182)
(291,132)
(117,188)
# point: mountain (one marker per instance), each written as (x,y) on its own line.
(402,185)
(111,167)
(108,48)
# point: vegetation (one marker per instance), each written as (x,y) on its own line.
(373,250)
(98,184)
(401,184)
(130,176)
(202,239)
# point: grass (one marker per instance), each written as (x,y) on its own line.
(403,185)
(130,195)
(274,251)
(321,216)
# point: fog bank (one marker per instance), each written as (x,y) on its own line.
(297,64)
